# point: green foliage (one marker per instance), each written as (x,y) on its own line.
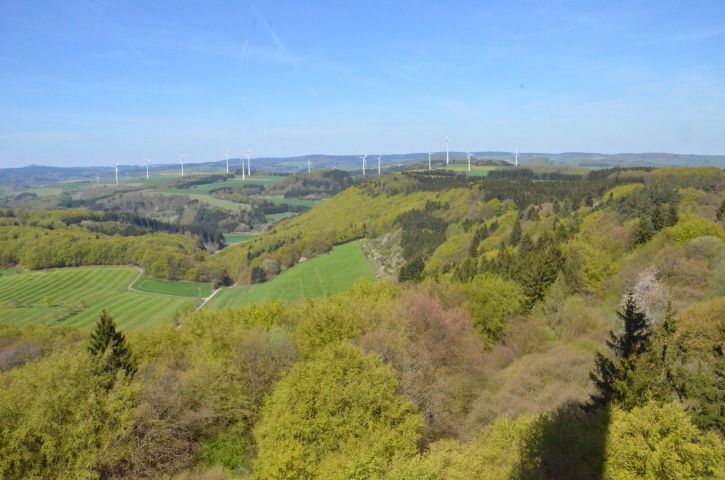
(690,228)
(227,450)
(59,420)
(109,347)
(423,232)
(612,377)
(412,270)
(45,239)
(327,321)
(257,275)
(498,452)
(491,301)
(336,413)
(515,233)
(653,442)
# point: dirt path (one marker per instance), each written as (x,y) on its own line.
(206,300)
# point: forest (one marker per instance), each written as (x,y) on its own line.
(542,326)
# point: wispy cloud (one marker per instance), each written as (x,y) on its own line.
(122,35)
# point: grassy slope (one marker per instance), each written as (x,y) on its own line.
(170,287)
(234,238)
(476,171)
(324,275)
(43,297)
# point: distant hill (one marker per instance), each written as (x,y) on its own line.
(37,175)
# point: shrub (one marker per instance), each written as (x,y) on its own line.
(655,442)
(339,409)
(686,230)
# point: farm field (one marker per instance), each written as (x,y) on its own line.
(280,200)
(478,171)
(278,217)
(76,296)
(235,182)
(223,204)
(332,273)
(234,238)
(171,287)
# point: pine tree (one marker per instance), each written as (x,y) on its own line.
(645,230)
(721,211)
(612,376)
(516,233)
(109,347)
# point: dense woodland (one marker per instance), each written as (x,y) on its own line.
(542,327)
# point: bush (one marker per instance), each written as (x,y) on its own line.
(338,412)
(686,230)
(655,442)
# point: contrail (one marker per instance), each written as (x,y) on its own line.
(119,30)
(243,57)
(277,41)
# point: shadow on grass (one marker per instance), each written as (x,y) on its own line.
(568,444)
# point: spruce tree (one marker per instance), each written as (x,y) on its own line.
(516,233)
(612,376)
(109,347)
(645,230)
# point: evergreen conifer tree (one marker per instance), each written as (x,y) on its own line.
(109,346)
(612,376)
(516,233)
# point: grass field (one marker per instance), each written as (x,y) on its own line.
(280,200)
(278,217)
(76,296)
(332,273)
(217,202)
(477,171)
(170,287)
(234,238)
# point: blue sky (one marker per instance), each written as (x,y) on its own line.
(91,83)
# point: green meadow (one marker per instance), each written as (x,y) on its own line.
(76,296)
(171,287)
(332,273)
(234,238)
(476,170)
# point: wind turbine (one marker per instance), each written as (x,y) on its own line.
(379,156)
(249,163)
(181,159)
(364,162)
(116,167)
(429,165)
(448,140)
(309,165)
(226,156)
(241,159)
(147,168)
(468,154)
(516,157)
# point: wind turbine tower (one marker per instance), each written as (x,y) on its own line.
(249,163)
(181,159)
(309,165)
(364,162)
(448,140)
(429,164)
(379,156)
(468,154)
(516,157)
(147,168)
(116,167)
(226,157)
